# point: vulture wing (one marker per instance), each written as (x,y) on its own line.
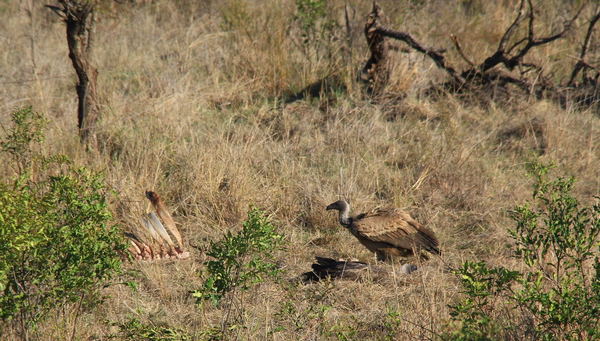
(394,227)
(352,270)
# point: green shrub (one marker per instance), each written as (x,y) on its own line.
(55,246)
(486,291)
(557,296)
(240,260)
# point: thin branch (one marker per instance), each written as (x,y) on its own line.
(581,64)
(588,36)
(536,42)
(57,10)
(499,56)
(512,29)
(510,62)
(588,66)
(460,50)
(531,19)
(516,44)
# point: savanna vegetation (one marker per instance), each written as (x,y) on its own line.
(249,118)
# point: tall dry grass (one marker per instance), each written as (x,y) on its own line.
(191,108)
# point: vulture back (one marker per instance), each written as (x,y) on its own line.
(393,227)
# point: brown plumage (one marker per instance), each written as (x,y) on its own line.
(390,233)
(350,270)
(327,267)
(164,214)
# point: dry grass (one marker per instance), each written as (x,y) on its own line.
(189,102)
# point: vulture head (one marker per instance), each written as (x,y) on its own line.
(344,210)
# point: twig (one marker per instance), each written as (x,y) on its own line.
(77,311)
(532,41)
(512,28)
(460,50)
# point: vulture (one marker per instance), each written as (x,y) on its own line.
(389,233)
(349,269)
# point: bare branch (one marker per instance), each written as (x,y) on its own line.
(460,50)
(57,10)
(516,44)
(434,54)
(581,64)
(499,56)
(512,29)
(588,36)
(531,41)
(407,38)
(531,20)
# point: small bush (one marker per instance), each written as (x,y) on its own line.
(557,296)
(240,260)
(56,248)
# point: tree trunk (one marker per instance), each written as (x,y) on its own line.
(79,18)
(376,70)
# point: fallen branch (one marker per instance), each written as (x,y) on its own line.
(434,54)
(377,67)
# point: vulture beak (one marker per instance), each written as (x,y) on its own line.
(330,207)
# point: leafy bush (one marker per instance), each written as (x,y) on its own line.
(55,246)
(319,32)
(240,260)
(486,291)
(557,296)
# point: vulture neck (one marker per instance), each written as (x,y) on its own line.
(345,219)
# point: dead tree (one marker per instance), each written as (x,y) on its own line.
(79,18)
(504,53)
(510,54)
(376,70)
